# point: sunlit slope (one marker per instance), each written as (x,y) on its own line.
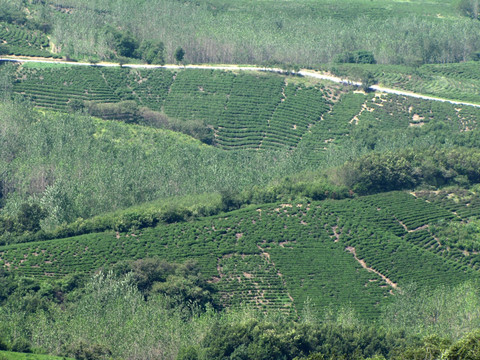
(78,166)
(302,32)
(348,252)
(246,110)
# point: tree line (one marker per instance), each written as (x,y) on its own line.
(155,309)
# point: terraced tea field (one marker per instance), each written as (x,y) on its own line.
(17,40)
(456,81)
(247,111)
(347,252)
(251,110)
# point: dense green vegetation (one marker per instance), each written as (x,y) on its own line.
(307,33)
(108,317)
(246,111)
(67,159)
(212,31)
(204,214)
(277,256)
(311,125)
(21,41)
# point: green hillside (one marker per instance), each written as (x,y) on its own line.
(455,81)
(178,212)
(242,110)
(346,252)
(305,32)
(295,125)
(77,166)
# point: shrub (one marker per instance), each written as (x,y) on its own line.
(84,351)
(152,52)
(3,345)
(355,57)
(21,345)
(189,353)
(467,348)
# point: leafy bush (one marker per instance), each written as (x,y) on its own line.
(182,285)
(29,217)
(21,345)
(467,348)
(152,52)
(87,351)
(124,43)
(356,57)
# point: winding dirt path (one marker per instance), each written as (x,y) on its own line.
(306,73)
(364,265)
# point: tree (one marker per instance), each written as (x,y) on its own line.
(124,43)
(152,53)
(29,217)
(181,285)
(230,200)
(469,8)
(467,348)
(367,81)
(179,54)
(355,57)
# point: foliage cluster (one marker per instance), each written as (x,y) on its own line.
(378,172)
(395,33)
(124,44)
(111,318)
(357,57)
(182,285)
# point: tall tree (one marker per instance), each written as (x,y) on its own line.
(179,54)
(469,8)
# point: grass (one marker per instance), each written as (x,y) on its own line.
(8,355)
(44,65)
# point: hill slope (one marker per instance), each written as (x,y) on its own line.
(348,252)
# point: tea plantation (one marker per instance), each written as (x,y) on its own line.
(352,252)
(158,211)
(456,81)
(17,40)
(258,111)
